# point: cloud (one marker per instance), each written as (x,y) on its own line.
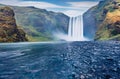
(73,13)
(37,4)
(73,8)
(9,2)
(44,5)
(78,8)
(82,4)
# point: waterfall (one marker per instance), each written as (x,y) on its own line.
(75,31)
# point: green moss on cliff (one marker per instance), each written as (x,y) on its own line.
(108,20)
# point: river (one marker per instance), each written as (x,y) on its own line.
(62,60)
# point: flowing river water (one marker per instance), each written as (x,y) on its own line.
(62,60)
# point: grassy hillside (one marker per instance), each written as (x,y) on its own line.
(40,24)
(107,20)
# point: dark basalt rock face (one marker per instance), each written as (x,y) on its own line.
(9,31)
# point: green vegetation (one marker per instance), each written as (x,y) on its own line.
(40,24)
(108,20)
(35,38)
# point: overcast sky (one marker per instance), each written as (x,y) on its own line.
(69,7)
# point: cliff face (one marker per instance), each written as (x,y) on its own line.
(109,29)
(8,28)
(89,23)
(40,24)
(106,17)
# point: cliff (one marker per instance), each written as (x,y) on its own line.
(89,23)
(106,20)
(40,24)
(9,32)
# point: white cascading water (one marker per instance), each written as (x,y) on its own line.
(75,31)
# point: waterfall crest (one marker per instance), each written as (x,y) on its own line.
(75,30)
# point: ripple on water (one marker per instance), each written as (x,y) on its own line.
(73,60)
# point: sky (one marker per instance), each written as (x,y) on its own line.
(69,7)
